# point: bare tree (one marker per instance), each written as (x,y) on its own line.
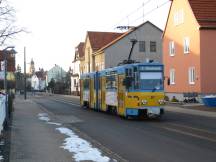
(8,29)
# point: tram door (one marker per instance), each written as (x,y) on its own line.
(103,93)
(91,92)
(96,92)
(81,92)
(121,93)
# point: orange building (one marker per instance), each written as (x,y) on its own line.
(189,48)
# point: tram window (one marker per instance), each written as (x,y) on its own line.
(128,72)
(135,69)
(86,84)
(111,82)
(151,80)
(136,80)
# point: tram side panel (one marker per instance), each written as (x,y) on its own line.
(92,94)
(81,92)
(111,93)
(85,86)
(121,96)
(96,91)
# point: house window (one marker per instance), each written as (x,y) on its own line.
(171,48)
(142,46)
(74,82)
(191,75)
(186,45)
(172,76)
(178,17)
(152,46)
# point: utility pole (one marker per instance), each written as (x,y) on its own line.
(25,73)
(5,55)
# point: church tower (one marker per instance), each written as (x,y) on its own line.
(32,67)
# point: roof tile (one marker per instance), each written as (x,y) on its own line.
(100,39)
(204,11)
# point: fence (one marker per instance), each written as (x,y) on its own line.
(2,111)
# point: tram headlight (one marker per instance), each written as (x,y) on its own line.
(144,102)
(161,102)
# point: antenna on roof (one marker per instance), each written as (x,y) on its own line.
(124,27)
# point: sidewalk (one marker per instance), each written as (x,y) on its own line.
(193,109)
(31,139)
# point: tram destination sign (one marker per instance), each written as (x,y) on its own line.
(150,68)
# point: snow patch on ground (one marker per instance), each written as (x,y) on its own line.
(81,148)
(1,157)
(44,117)
(53,123)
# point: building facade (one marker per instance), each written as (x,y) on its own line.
(148,47)
(10,57)
(57,73)
(38,80)
(93,42)
(79,53)
(189,48)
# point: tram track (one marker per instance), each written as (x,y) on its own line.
(187,134)
(181,129)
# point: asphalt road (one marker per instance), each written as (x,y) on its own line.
(177,137)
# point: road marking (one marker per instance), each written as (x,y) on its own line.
(196,129)
(64,101)
(167,128)
(189,134)
(190,111)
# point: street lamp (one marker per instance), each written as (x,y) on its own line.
(5,52)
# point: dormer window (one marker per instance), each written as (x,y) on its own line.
(178,17)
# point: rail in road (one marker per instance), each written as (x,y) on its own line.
(186,137)
(169,126)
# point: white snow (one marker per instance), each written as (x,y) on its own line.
(2,111)
(81,148)
(44,117)
(58,124)
(1,157)
(210,96)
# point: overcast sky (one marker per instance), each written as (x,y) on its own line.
(56,27)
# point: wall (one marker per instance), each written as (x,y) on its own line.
(56,73)
(99,61)
(181,62)
(208,61)
(120,50)
(88,54)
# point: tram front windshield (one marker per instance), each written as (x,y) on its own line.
(151,81)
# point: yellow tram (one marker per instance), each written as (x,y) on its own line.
(130,90)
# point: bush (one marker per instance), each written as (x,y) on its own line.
(166,98)
(174,99)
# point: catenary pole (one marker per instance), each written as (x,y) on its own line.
(25,73)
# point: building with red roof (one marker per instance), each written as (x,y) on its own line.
(189,49)
(93,42)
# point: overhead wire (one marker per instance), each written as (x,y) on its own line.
(152,10)
(143,14)
(131,13)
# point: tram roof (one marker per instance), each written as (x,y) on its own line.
(118,69)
